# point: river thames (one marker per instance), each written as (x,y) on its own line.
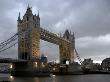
(53,78)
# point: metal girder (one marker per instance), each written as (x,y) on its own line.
(51,37)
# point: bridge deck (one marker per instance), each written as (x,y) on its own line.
(10,60)
(51,37)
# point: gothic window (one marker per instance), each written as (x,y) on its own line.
(27,18)
(24,55)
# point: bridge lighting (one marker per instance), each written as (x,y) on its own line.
(53,76)
(54,69)
(11,77)
(36,64)
(67,62)
(11,66)
(43,64)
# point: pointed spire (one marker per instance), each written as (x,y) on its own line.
(19,17)
(70,31)
(73,33)
(28,6)
(19,14)
(38,13)
(29,11)
(67,31)
(73,36)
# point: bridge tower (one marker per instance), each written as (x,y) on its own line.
(67,50)
(29,36)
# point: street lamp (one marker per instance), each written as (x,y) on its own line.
(11,66)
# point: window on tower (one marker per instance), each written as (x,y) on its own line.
(27,18)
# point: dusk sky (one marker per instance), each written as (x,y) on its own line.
(88,19)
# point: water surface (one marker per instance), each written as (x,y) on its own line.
(67,78)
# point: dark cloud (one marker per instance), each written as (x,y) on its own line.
(84,17)
(95,47)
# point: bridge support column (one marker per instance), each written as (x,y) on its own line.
(71,53)
(35,43)
(66,53)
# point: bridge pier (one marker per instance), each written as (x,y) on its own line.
(30,68)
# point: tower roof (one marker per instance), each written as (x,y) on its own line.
(67,32)
(29,10)
(19,17)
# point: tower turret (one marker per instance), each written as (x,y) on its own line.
(66,34)
(19,19)
(38,19)
(28,42)
(69,36)
(28,15)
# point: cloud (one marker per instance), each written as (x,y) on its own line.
(89,20)
(94,47)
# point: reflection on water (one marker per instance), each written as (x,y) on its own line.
(54,78)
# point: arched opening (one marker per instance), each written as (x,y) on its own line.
(25,56)
(50,50)
(64,61)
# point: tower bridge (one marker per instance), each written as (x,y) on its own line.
(29,42)
(29,34)
(28,38)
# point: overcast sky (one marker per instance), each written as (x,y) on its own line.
(88,19)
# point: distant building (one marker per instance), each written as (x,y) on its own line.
(44,59)
(106,64)
(4,67)
(96,66)
(88,61)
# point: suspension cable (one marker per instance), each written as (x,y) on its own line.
(8,39)
(78,57)
(9,47)
(8,43)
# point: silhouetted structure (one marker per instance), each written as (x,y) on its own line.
(106,64)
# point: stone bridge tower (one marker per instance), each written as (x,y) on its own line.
(29,36)
(67,50)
